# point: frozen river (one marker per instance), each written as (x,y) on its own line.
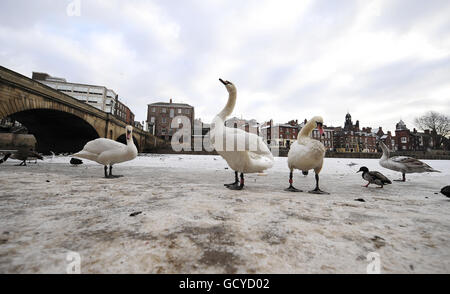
(190,223)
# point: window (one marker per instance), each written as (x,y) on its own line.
(163,120)
(152,119)
(172,112)
(186,111)
(163,110)
(404,139)
(179,111)
(153,109)
(163,131)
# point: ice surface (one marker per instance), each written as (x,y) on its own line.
(190,223)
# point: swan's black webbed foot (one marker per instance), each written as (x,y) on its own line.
(235,187)
(232,184)
(292,189)
(318,191)
(403,179)
(236,181)
(114,176)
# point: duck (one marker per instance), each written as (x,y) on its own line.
(403,164)
(109,152)
(5,157)
(307,153)
(76,161)
(249,155)
(446,191)
(373,177)
(25,154)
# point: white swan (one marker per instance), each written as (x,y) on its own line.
(307,153)
(403,164)
(249,155)
(108,152)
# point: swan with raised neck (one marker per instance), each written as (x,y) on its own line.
(240,158)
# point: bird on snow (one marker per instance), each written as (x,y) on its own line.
(403,164)
(76,161)
(446,191)
(373,177)
(108,152)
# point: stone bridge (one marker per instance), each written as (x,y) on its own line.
(60,122)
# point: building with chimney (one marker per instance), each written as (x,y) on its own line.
(161,114)
(279,135)
(351,139)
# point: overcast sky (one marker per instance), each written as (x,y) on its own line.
(380,60)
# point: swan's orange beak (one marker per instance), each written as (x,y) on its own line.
(320,130)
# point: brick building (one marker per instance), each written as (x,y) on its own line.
(402,137)
(161,114)
(280,135)
(123,113)
(352,139)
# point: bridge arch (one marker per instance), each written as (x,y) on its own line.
(56,130)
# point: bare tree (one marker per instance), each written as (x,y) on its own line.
(438,123)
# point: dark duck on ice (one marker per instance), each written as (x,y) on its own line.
(446,191)
(373,177)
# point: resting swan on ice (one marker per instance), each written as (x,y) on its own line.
(403,164)
(250,155)
(307,153)
(108,152)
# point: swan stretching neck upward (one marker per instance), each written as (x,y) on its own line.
(249,155)
(307,153)
(108,152)
(403,164)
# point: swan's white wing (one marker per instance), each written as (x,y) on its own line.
(239,140)
(100,145)
(412,164)
(243,151)
(94,148)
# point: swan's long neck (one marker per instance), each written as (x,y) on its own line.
(385,152)
(130,142)
(228,109)
(306,130)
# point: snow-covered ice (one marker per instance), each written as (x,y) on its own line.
(190,223)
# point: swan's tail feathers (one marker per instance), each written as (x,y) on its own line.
(261,162)
(86,155)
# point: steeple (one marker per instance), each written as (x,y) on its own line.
(348,122)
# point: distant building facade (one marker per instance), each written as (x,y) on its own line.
(124,113)
(279,135)
(98,96)
(161,114)
(352,139)
(250,126)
